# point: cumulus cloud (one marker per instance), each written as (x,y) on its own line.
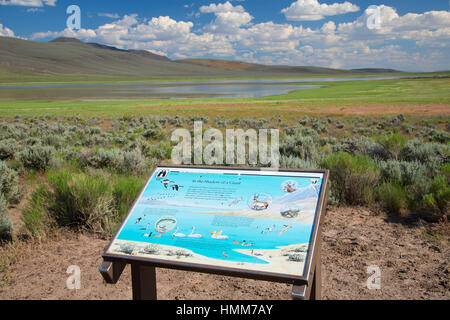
(28,3)
(402,42)
(109,15)
(392,27)
(228,17)
(5,32)
(35,10)
(311,10)
(162,29)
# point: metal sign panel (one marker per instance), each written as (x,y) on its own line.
(244,222)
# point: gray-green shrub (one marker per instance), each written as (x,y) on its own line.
(111,159)
(8,148)
(37,157)
(297,163)
(430,154)
(133,162)
(360,145)
(303,147)
(6,227)
(9,183)
(403,172)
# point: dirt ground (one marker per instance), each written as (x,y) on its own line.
(344,110)
(413,265)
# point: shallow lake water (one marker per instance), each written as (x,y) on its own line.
(168,89)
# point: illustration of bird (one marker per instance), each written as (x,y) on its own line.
(192,235)
(286,227)
(165,183)
(146,227)
(247,244)
(235,202)
(176,187)
(177,234)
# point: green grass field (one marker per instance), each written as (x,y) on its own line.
(426,95)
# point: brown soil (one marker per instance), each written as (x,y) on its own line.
(381,109)
(413,266)
(352,110)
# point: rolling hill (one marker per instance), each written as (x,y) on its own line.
(67,58)
(260,68)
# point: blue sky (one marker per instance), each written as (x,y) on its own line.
(408,35)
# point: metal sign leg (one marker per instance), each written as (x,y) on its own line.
(312,291)
(143,281)
(111,271)
(316,290)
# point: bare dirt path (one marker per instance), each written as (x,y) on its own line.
(413,266)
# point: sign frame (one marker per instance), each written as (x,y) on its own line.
(136,261)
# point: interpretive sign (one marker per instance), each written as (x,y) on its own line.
(246,222)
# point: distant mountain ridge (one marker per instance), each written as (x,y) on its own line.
(69,56)
(103,46)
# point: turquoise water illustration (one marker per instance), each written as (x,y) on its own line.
(209,214)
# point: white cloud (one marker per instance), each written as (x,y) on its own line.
(109,15)
(329,27)
(5,32)
(311,10)
(85,34)
(35,10)
(157,52)
(403,42)
(162,29)
(422,28)
(228,17)
(221,8)
(28,3)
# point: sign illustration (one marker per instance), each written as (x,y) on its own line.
(261,221)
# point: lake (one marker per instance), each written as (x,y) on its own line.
(168,89)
